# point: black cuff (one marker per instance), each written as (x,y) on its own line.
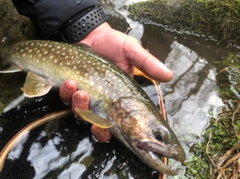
(79,26)
(48,16)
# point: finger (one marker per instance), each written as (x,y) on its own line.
(80,99)
(101,135)
(146,62)
(66,91)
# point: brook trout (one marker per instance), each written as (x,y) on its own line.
(116,100)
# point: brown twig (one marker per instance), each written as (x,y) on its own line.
(233,119)
(229,162)
(226,155)
(210,136)
(17,137)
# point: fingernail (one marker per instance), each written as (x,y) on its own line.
(80,99)
(69,88)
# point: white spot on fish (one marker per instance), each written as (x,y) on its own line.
(55,60)
(30,50)
(119,81)
(51,57)
(46,52)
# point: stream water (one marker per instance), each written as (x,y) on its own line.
(191,98)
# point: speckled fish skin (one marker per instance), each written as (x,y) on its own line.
(110,90)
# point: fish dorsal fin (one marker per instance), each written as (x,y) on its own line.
(92,118)
(11,69)
(35,86)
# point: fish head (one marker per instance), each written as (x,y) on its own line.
(145,133)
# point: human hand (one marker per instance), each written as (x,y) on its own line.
(80,99)
(125,52)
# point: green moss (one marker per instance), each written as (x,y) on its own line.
(232,60)
(198,167)
(2,106)
(216,19)
(229,77)
(223,132)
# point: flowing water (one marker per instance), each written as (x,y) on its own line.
(67,149)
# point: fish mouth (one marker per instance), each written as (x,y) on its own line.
(151,154)
(153,160)
(174,151)
(168,170)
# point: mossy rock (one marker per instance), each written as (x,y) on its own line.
(219,20)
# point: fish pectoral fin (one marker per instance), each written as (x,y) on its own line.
(35,86)
(11,69)
(92,118)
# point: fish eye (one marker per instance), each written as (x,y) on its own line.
(158,136)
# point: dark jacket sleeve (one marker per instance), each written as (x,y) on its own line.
(49,15)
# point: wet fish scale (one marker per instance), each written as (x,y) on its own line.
(91,72)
